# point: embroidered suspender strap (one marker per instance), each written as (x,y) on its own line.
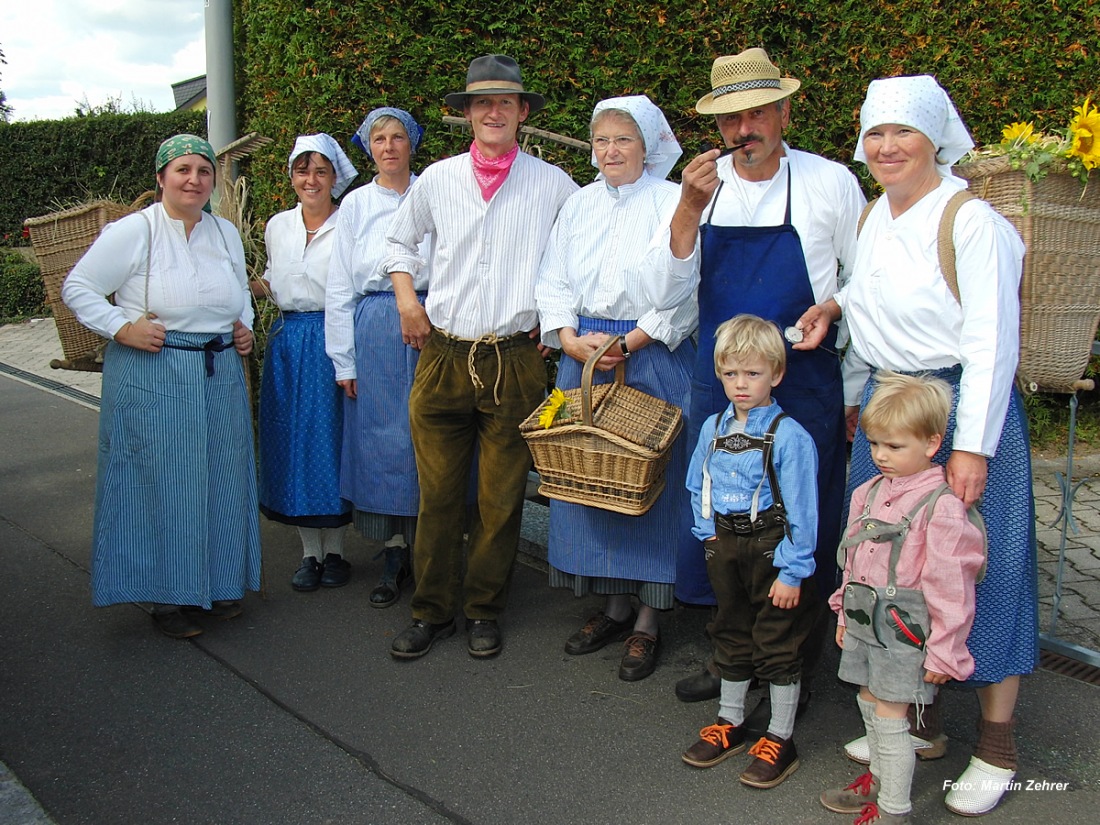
(740,443)
(945,241)
(769,464)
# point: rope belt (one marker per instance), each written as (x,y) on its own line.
(490,339)
(209,349)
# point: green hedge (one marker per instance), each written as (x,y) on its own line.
(47,163)
(321,65)
(22,294)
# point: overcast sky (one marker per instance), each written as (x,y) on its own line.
(60,52)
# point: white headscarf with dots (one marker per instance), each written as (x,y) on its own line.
(662,150)
(918,102)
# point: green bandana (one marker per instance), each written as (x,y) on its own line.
(181,145)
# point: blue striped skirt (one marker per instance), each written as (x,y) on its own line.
(377,466)
(176,518)
(1004,640)
(588,541)
(301,424)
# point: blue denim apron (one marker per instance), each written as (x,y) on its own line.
(762,270)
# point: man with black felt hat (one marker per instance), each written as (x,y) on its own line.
(481,369)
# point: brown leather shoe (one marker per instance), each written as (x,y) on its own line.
(776,759)
(598,632)
(716,742)
(175,624)
(639,658)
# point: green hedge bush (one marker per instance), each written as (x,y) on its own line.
(321,65)
(46,164)
(22,294)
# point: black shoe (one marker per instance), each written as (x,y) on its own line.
(307,577)
(598,632)
(417,639)
(175,624)
(700,687)
(483,638)
(756,723)
(224,609)
(639,657)
(394,575)
(336,572)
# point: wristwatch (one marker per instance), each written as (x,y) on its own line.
(625,349)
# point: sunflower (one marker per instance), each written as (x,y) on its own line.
(557,406)
(1019,133)
(1084,135)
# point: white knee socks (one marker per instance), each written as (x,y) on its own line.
(731,702)
(892,762)
(784,708)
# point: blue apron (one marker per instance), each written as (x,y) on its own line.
(762,270)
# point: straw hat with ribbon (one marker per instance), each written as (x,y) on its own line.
(744,81)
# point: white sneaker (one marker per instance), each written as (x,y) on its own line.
(859,751)
(979,789)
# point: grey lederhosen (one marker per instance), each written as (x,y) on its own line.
(886,627)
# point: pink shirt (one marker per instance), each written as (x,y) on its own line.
(941,557)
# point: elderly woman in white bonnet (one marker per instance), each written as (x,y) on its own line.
(589,288)
(903,316)
(374,368)
(300,405)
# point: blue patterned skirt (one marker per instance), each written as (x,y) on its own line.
(590,542)
(176,518)
(301,421)
(378,468)
(1004,640)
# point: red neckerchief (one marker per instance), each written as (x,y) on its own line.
(491,172)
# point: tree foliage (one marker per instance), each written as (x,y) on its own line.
(320,65)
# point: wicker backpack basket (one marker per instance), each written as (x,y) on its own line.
(1059,221)
(59,240)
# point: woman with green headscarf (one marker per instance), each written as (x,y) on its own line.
(176,520)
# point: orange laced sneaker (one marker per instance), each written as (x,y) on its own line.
(716,742)
(774,760)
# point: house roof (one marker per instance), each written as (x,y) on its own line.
(186,92)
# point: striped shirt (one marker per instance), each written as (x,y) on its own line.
(355,268)
(485,256)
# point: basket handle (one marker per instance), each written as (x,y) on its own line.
(586,377)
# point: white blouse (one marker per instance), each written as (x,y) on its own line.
(297,271)
(197,284)
(902,316)
(596,256)
(359,249)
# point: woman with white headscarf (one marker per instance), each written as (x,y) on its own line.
(589,288)
(903,316)
(374,368)
(300,414)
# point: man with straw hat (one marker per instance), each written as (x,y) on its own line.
(481,370)
(760,227)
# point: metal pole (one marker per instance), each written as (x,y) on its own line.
(221,98)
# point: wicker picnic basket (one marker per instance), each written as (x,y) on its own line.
(59,240)
(614,455)
(1059,221)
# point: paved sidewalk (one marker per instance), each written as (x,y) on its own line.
(294,713)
